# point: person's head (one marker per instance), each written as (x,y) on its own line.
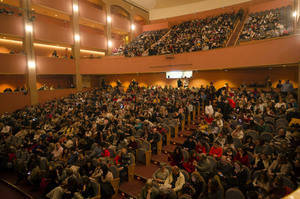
(278,182)
(281,132)
(163,166)
(252,195)
(104,169)
(175,170)
(149,184)
(123,150)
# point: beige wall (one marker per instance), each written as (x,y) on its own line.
(162,13)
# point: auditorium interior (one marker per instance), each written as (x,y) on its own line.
(150,99)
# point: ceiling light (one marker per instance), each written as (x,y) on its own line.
(132,27)
(11,41)
(75,7)
(108,19)
(31,64)
(109,43)
(295,14)
(28,28)
(92,52)
(77,37)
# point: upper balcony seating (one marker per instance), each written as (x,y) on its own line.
(268,24)
(143,42)
(195,35)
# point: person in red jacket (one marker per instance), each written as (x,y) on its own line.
(200,147)
(216,150)
(242,157)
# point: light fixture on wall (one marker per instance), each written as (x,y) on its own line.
(75,7)
(109,43)
(29,28)
(77,37)
(294,14)
(108,18)
(132,27)
(31,64)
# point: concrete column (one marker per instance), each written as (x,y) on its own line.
(76,44)
(108,29)
(29,51)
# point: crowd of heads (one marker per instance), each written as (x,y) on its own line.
(64,147)
(143,42)
(267,24)
(189,36)
(196,35)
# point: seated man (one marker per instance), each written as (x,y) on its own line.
(149,191)
(175,180)
(161,174)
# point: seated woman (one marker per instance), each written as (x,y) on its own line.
(189,166)
(161,174)
(216,150)
(176,159)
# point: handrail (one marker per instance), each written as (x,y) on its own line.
(16,188)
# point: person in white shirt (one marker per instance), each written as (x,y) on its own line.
(238,132)
(58,151)
(175,180)
(279,104)
(209,110)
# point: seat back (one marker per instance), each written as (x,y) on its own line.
(234,193)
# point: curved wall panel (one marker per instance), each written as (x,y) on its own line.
(63,5)
(120,23)
(12,64)
(12,25)
(92,38)
(53,30)
(91,11)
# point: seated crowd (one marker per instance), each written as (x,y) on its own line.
(196,35)
(143,42)
(67,147)
(244,147)
(267,24)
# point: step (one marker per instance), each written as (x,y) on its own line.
(141,171)
(185,133)
(157,159)
(132,189)
(169,148)
(179,140)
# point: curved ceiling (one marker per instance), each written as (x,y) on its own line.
(160,9)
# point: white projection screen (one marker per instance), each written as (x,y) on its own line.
(179,74)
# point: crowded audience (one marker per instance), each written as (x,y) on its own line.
(196,35)
(267,24)
(244,143)
(143,42)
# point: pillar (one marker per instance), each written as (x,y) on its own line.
(131,34)
(76,44)
(29,51)
(108,29)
